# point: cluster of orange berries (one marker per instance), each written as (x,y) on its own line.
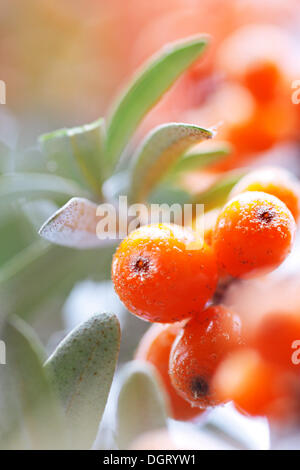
(165,275)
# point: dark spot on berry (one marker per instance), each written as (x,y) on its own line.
(265,214)
(199,387)
(141,265)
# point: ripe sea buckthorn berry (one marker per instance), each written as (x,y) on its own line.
(263,79)
(254,234)
(254,385)
(155,347)
(204,342)
(274,337)
(272,180)
(163,274)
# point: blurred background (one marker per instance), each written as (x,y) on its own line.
(63,63)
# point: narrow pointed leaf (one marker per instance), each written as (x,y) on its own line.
(17,185)
(146,89)
(217,194)
(44,275)
(141,403)
(22,259)
(159,151)
(42,413)
(73,225)
(77,153)
(82,368)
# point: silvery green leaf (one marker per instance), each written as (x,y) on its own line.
(74,225)
(146,89)
(141,403)
(158,152)
(16,185)
(82,369)
(44,275)
(42,414)
(77,153)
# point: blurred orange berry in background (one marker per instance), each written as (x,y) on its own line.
(272,180)
(161,276)
(155,347)
(254,385)
(204,342)
(274,337)
(254,234)
(260,57)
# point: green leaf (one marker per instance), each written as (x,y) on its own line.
(16,232)
(74,225)
(161,149)
(17,185)
(31,160)
(169,194)
(42,414)
(195,160)
(38,210)
(77,154)
(22,259)
(82,367)
(146,89)
(44,275)
(141,403)
(217,194)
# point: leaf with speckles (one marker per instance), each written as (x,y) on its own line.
(82,369)
(141,403)
(73,225)
(161,149)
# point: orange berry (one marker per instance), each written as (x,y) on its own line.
(204,342)
(276,181)
(254,234)
(162,275)
(155,347)
(274,337)
(253,384)
(264,79)
(255,55)
(267,125)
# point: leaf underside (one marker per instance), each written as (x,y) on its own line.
(82,369)
(141,403)
(73,225)
(159,151)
